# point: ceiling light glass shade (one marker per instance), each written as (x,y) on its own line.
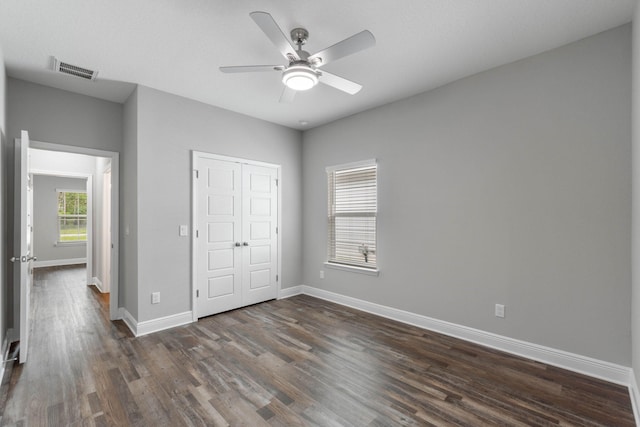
(299,78)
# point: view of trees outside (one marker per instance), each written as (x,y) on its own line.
(72,216)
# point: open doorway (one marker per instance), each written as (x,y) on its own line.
(77,190)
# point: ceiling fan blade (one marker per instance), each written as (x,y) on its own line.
(340,83)
(288,95)
(251,68)
(275,34)
(361,41)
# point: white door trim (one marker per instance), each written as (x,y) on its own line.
(115,208)
(194,187)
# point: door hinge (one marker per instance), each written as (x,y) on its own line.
(276,230)
(197,234)
(197,293)
(276,277)
(276,182)
(197,173)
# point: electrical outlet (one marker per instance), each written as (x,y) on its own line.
(155,297)
(322,274)
(499,310)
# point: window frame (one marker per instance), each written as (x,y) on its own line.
(59,241)
(346,266)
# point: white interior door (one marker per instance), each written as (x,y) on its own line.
(259,226)
(219,249)
(22,247)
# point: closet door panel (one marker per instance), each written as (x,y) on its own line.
(219,216)
(259,224)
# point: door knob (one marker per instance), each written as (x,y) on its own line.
(238,244)
(245,243)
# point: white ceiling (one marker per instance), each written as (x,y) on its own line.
(177,46)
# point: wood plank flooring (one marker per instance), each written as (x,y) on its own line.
(299,361)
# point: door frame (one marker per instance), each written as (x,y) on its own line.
(105,230)
(194,190)
(115,210)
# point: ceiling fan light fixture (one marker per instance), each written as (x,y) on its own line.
(299,78)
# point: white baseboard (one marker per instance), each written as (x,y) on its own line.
(128,320)
(634,394)
(59,262)
(98,284)
(574,362)
(155,325)
(162,323)
(289,292)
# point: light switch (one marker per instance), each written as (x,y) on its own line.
(184,230)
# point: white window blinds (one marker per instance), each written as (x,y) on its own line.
(353,206)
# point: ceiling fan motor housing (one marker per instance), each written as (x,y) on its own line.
(299,36)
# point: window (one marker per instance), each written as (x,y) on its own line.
(72,216)
(353,207)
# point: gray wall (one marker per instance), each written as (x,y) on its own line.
(635,260)
(512,186)
(59,117)
(45,218)
(168,129)
(4,312)
(129,209)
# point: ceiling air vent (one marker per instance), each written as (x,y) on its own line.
(74,70)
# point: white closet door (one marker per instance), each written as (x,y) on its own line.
(259,222)
(219,216)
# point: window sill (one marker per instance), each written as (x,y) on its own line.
(78,243)
(353,269)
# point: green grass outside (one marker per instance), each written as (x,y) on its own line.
(73,235)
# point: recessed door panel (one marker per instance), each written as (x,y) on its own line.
(260,183)
(221,179)
(221,205)
(220,258)
(260,230)
(220,286)
(260,206)
(260,254)
(260,279)
(220,232)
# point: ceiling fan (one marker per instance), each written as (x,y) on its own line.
(303,70)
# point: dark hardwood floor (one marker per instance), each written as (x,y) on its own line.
(298,361)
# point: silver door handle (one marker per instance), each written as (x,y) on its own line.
(238,244)
(245,243)
(22,259)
